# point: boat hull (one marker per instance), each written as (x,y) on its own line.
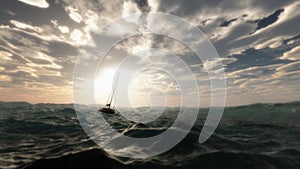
(107,110)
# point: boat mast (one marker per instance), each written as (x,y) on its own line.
(113,92)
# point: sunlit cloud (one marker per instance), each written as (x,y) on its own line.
(37,3)
(76,35)
(211,64)
(252,71)
(25,26)
(288,67)
(4,55)
(63,29)
(73,13)
(272,43)
(293,54)
(129,7)
(4,78)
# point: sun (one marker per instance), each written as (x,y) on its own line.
(103,84)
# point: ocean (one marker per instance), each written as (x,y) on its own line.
(258,136)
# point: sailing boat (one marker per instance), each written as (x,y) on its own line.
(108,108)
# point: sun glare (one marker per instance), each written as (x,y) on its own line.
(103,84)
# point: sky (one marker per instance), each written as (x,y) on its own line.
(257,42)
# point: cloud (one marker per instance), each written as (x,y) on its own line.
(272,43)
(265,22)
(4,55)
(236,37)
(27,55)
(93,21)
(60,33)
(5,78)
(64,29)
(289,67)
(52,92)
(73,13)
(261,84)
(25,26)
(36,32)
(258,42)
(284,28)
(143,5)
(211,64)
(226,23)
(129,8)
(26,69)
(154,80)
(77,36)
(37,3)
(293,54)
(252,71)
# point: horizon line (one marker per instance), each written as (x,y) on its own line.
(266,103)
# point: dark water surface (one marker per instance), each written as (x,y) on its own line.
(254,136)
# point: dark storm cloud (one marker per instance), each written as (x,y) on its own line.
(143,5)
(264,22)
(226,23)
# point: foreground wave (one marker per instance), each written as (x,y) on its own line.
(50,136)
(94,159)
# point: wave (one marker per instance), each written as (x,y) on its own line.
(50,136)
(95,158)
